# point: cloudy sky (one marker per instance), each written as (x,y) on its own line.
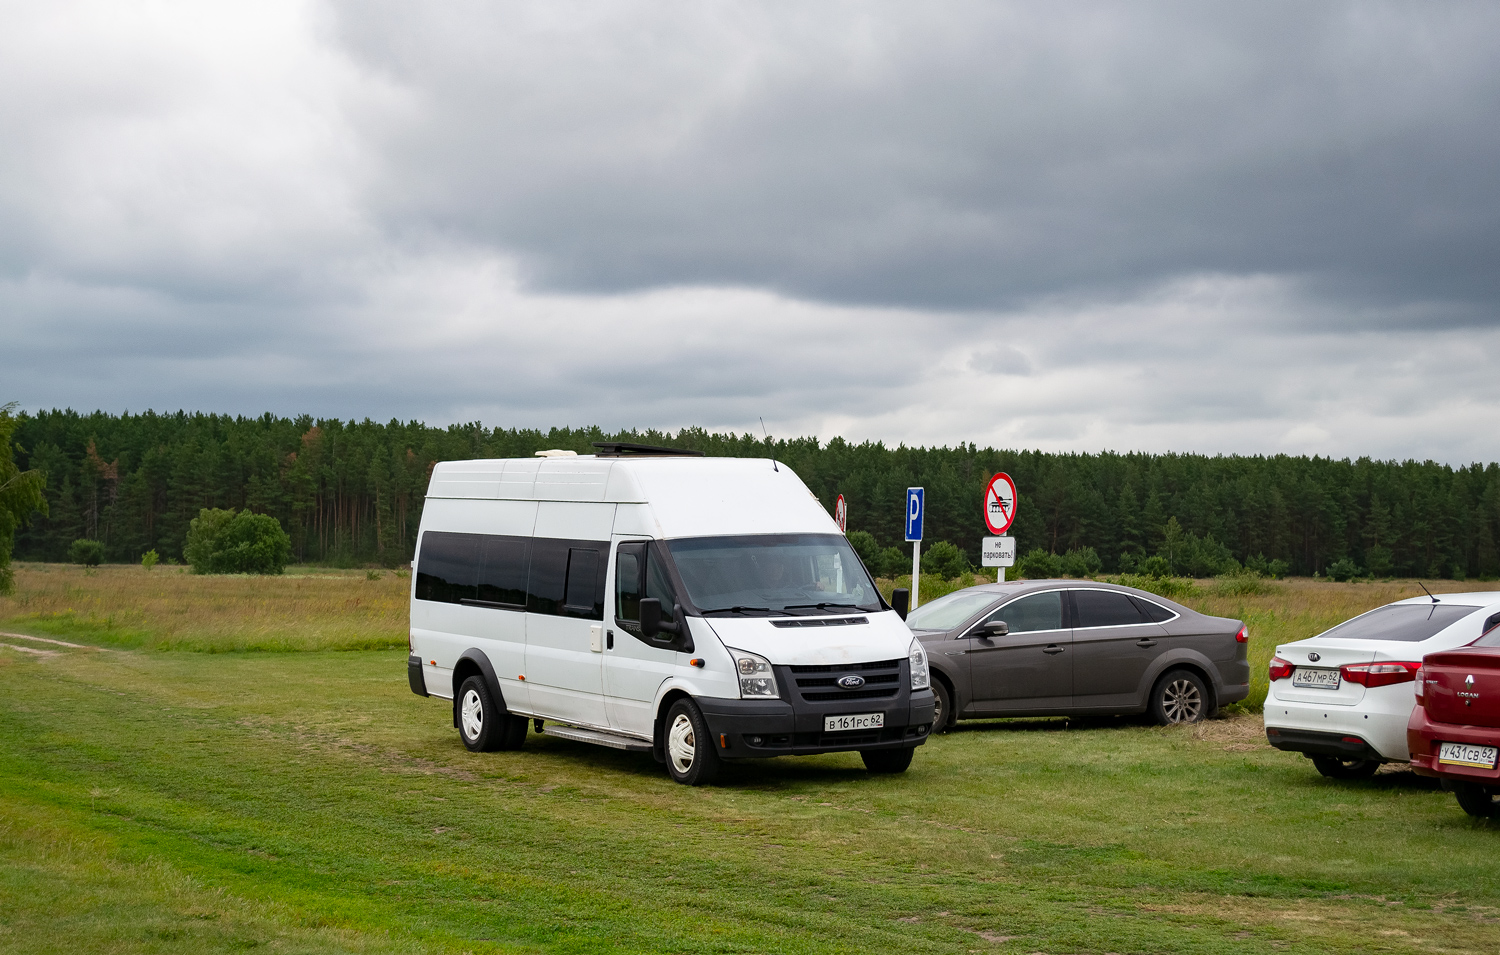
(1161,226)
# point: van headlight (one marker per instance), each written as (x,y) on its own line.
(920,678)
(757,682)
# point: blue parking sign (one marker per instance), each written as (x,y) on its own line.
(914,513)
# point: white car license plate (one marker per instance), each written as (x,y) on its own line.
(864,721)
(1463,754)
(1322,679)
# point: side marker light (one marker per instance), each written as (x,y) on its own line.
(723,740)
(697,662)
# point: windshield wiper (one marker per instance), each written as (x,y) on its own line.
(739,609)
(819,606)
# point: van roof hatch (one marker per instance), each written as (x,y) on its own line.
(614,449)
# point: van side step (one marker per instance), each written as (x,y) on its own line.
(598,738)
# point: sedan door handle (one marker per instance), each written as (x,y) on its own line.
(1145,642)
(1053,648)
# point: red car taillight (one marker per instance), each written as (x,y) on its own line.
(1280,669)
(1243,636)
(1380,674)
(1421,682)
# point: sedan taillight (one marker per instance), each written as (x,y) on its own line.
(1280,669)
(1243,635)
(1380,674)
(1421,682)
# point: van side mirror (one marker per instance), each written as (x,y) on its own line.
(650,617)
(901,601)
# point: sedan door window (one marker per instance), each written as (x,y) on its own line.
(1105,608)
(1032,613)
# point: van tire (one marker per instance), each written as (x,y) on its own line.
(887,760)
(482,724)
(691,757)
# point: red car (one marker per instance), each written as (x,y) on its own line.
(1454,730)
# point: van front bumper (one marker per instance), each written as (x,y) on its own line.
(746,729)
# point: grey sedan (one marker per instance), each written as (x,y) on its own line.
(1062,647)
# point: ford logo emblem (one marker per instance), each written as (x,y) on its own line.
(1315,656)
(851,682)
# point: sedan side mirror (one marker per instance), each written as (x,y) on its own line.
(901,601)
(994,628)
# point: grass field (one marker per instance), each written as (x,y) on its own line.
(307,802)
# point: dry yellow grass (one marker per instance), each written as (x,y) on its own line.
(169,608)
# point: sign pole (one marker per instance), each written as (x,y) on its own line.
(916,571)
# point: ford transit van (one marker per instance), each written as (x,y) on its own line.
(700,609)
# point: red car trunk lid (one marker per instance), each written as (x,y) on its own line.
(1463,686)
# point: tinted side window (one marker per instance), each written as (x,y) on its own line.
(1105,608)
(1031,613)
(502,570)
(628,581)
(549,572)
(585,590)
(1153,611)
(448,567)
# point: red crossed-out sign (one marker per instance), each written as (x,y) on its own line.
(1000,503)
(841,514)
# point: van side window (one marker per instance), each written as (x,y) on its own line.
(585,591)
(628,581)
(564,580)
(447,567)
(502,570)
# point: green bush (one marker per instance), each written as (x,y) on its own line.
(1343,570)
(944,560)
(86,552)
(1155,567)
(868,549)
(1037,564)
(150,558)
(1173,588)
(1246,583)
(1080,562)
(223,542)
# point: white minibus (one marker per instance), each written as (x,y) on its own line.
(700,609)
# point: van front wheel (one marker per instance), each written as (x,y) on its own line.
(691,757)
(887,760)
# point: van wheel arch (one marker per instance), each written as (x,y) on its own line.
(659,725)
(474,663)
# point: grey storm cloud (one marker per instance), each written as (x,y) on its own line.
(961,155)
(1184,226)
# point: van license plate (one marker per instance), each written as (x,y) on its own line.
(1462,754)
(1323,679)
(864,721)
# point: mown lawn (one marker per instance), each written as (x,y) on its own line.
(307,801)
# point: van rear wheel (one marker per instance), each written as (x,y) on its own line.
(691,757)
(482,724)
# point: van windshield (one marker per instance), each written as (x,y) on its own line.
(773,574)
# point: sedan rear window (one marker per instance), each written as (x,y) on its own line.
(1105,608)
(1408,623)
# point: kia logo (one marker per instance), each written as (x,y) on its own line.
(1315,656)
(851,682)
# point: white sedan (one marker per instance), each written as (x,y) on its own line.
(1343,698)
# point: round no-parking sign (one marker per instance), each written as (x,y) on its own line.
(841,514)
(1000,503)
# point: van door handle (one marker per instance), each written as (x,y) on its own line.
(1053,648)
(596,638)
(1145,642)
